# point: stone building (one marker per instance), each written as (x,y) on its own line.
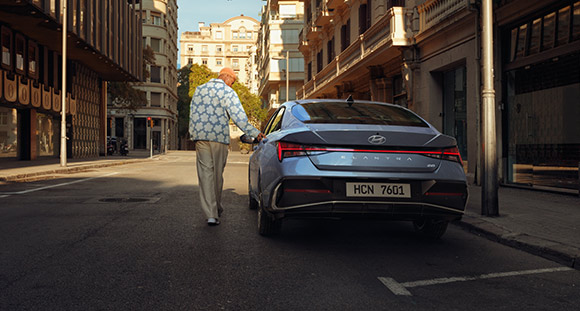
(104,44)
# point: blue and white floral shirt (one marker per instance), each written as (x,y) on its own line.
(212,106)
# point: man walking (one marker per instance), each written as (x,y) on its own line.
(212,106)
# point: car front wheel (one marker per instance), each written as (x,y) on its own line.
(430,228)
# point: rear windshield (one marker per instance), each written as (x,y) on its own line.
(357,113)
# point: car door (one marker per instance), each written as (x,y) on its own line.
(263,151)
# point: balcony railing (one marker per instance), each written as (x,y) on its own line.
(323,15)
(433,12)
(389,31)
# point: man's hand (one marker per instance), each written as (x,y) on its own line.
(261,136)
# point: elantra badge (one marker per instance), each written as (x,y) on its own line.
(377,139)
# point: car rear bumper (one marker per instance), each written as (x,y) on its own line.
(326,197)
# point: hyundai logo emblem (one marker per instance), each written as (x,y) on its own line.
(377,139)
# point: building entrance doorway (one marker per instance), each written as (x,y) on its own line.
(455,108)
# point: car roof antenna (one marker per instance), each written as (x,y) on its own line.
(349,100)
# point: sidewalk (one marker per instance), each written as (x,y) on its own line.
(542,223)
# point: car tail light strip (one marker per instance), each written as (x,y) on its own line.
(287,150)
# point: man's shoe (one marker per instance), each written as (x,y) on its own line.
(213,222)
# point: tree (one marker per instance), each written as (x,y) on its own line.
(199,74)
(124,95)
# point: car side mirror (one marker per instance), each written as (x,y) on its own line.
(246,139)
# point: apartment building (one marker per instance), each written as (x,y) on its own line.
(280,64)
(103,44)
(159,31)
(426,55)
(227,44)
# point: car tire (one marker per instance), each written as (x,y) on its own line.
(429,228)
(267,225)
(252,203)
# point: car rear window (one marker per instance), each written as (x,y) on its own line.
(357,113)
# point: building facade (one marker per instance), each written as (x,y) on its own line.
(159,28)
(103,44)
(280,64)
(227,44)
(426,55)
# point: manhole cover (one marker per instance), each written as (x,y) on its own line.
(123,200)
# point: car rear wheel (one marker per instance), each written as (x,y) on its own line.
(252,203)
(430,228)
(267,225)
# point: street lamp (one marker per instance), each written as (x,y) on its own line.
(63,90)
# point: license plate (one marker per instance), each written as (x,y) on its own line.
(381,190)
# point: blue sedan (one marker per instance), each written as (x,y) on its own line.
(355,159)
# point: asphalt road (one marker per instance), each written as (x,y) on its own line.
(133,237)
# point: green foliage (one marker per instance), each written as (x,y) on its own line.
(200,74)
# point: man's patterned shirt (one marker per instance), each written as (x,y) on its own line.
(212,106)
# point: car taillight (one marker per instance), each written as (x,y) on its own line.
(452,154)
(287,150)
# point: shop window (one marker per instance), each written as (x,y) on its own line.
(46,134)
(549,31)
(7,48)
(20,51)
(563,25)
(521,44)
(576,22)
(8,132)
(33,55)
(535,36)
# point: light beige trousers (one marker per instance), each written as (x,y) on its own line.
(211,160)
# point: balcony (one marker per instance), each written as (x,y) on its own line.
(323,15)
(379,41)
(433,12)
(303,45)
(313,31)
(334,4)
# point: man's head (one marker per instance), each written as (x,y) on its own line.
(227,75)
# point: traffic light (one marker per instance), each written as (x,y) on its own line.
(150,120)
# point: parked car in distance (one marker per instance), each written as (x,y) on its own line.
(326,158)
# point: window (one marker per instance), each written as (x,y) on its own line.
(358,113)
(155,99)
(204,61)
(275,122)
(190,47)
(218,48)
(156,45)
(235,35)
(345,36)
(535,36)
(190,61)
(32,60)
(6,48)
(242,35)
(563,25)
(319,61)
(235,48)
(219,35)
(549,31)
(330,50)
(20,54)
(235,63)
(204,48)
(144,17)
(249,35)
(156,74)
(156,18)
(576,21)
(218,62)
(287,11)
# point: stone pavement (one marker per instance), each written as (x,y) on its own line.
(543,223)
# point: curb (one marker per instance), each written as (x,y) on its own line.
(46,174)
(551,250)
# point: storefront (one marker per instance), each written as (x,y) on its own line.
(541,75)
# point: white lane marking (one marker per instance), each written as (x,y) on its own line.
(401,288)
(5,194)
(395,287)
